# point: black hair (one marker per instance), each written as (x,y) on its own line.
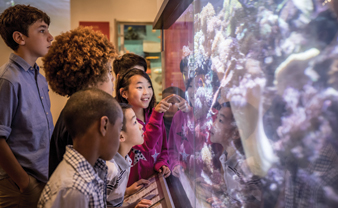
(190,80)
(124,107)
(183,63)
(127,61)
(123,82)
(85,107)
(19,18)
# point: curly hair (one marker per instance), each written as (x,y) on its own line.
(78,59)
(124,107)
(128,61)
(19,18)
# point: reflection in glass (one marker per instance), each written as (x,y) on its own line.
(261,81)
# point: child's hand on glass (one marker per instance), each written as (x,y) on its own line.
(136,186)
(164,104)
(178,169)
(165,171)
(183,105)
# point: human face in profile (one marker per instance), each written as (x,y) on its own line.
(38,41)
(133,132)
(223,130)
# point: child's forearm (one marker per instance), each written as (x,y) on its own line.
(11,166)
(153,131)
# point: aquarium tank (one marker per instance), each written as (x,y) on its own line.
(256,123)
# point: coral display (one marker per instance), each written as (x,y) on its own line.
(273,63)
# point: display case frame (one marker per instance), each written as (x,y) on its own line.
(157,191)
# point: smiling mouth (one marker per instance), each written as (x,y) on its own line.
(145,99)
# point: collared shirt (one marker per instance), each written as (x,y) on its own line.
(306,188)
(25,118)
(75,183)
(244,189)
(118,174)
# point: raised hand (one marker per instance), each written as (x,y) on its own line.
(183,105)
(163,105)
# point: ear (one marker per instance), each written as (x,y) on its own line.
(122,137)
(104,121)
(19,38)
(236,134)
(124,94)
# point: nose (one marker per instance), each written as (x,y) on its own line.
(140,126)
(212,128)
(145,91)
(50,38)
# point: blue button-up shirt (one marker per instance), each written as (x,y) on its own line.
(25,118)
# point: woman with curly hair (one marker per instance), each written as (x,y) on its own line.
(77,59)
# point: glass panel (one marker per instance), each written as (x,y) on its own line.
(260,88)
(180,126)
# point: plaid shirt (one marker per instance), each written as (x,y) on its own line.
(75,183)
(244,188)
(118,174)
(306,188)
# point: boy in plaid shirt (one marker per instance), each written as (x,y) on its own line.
(94,120)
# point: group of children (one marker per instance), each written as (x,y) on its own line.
(100,145)
(82,172)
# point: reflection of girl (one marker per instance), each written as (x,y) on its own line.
(242,186)
(175,105)
(135,88)
(187,134)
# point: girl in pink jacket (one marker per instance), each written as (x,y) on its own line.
(135,88)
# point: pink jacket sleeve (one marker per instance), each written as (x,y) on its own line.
(164,157)
(153,131)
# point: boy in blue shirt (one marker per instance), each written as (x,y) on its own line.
(26,122)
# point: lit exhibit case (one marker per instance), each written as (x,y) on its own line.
(259,80)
